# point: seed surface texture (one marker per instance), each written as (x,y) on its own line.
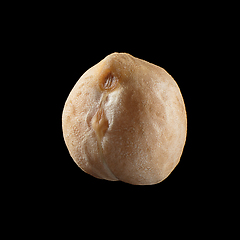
(125,120)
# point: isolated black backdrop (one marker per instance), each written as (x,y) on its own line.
(52,46)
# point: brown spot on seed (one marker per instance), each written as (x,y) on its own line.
(110,82)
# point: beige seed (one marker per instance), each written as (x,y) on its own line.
(125,119)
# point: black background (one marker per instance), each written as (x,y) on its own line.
(53,49)
(46,47)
